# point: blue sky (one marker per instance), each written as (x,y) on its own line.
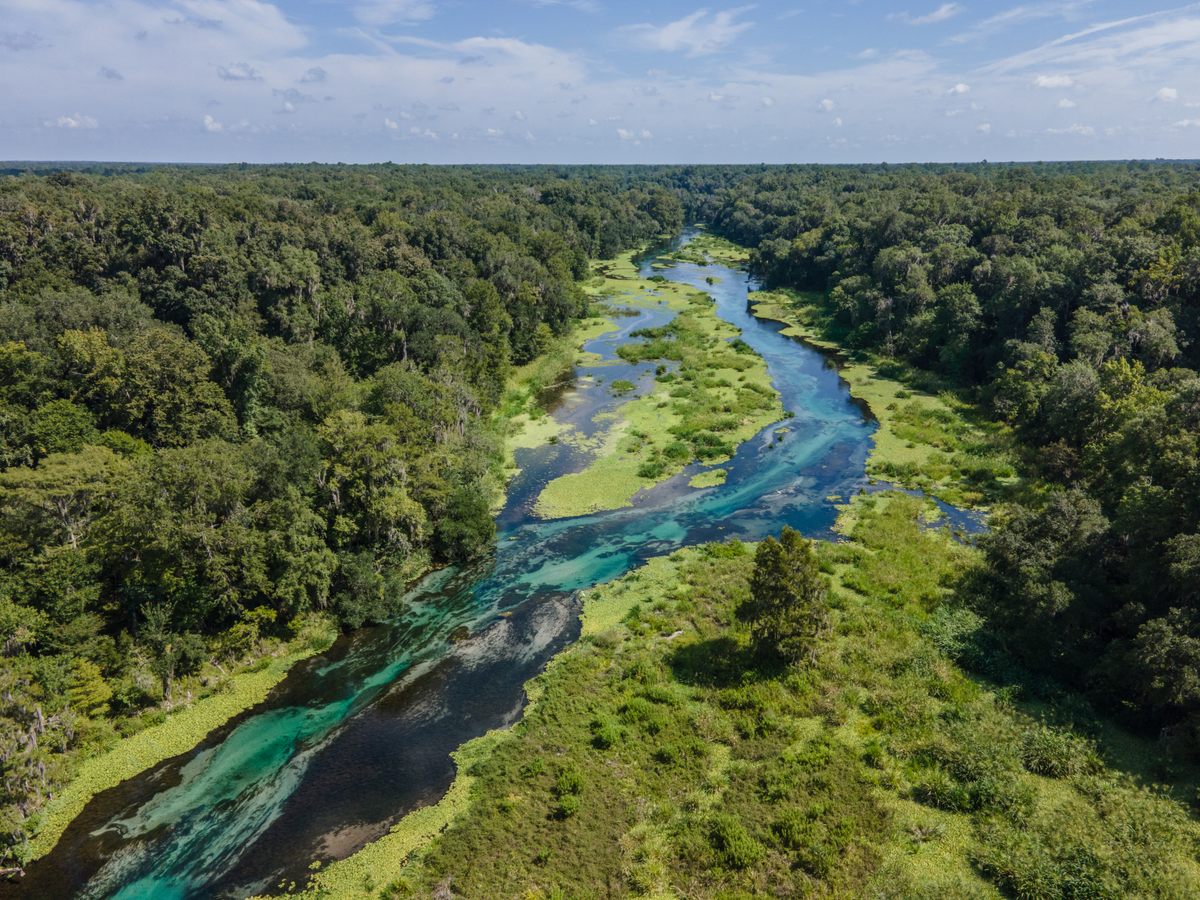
(597,80)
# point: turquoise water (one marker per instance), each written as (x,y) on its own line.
(353,739)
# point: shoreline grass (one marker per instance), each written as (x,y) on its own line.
(718,396)
(182,730)
(928,439)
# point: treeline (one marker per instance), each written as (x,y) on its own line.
(1068,297)
(234,397)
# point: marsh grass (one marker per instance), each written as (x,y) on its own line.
(659,761)
(929,438)
(717,395)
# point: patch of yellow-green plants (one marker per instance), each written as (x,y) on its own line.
(661,760)
(710,394)
(927,438)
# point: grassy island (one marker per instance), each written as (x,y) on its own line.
(709,395)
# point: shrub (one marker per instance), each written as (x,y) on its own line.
(568,783)
(735,847)
(605,734)
(1056,754)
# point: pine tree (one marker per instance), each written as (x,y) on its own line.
(788,609)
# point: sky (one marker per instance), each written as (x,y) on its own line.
(600,81)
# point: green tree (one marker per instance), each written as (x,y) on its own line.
(788,608)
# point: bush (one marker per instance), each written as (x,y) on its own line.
(567,806)
(1056,754)
(605,734)
(733,844)
(569,782)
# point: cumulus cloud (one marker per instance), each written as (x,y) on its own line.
(1066,103)
(77,121)
(1167,94)
(698,34)
(1188,123)
(1053,81)
(381,13)
(212,126)
(959,88)
(768,102)
(827,105)
(238,72)
(628,134)
(984,127)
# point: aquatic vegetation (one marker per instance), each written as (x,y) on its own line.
(716,396)
(928,439)
(179,732)
(884,770)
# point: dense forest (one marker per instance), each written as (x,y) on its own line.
(1066,298)
(231,399)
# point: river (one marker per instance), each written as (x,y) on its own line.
(353,739)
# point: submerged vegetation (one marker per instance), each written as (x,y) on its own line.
(708,395)
(663,757)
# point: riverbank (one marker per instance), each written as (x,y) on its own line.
(219,695)
(660,762)
(928,438)
(181,730)
(707,395)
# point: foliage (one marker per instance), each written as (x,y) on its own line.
(232,398)
(882,769)
(1066,298)
(787,611)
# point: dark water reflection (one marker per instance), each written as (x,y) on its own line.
(352,740)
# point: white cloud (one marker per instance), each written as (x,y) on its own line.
(827,105)
(1021,15)
(588,6)
(391,124)
(696,35)
(1053,81)
(426,133)
(1082,130)
(381,13)
(959,88)
(837,121)
(627,134)
(239,71)
(941,14)
(1066,103)
(768,102)
(1188,123)
(984,127)
(212,125)
(1167,94)
(77,121)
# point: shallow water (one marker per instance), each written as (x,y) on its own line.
(353,739)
